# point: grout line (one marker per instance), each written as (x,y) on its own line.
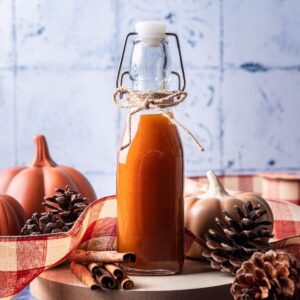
(101,173)
(246,67)
(246,171)
(59,68)
(236,171)
(221,79)
(118,49)
(15,78)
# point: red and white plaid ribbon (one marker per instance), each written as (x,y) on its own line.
(23,258)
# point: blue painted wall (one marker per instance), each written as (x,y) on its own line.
(58,62)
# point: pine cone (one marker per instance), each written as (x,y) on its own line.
(44,223)
(67,204)
(234,242)
(272,275)
(65,207)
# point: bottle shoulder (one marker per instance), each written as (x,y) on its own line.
(154,135)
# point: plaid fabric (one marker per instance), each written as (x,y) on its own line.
(281,186)
(23,258)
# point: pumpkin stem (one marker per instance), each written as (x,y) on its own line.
(42,156)
(215,187)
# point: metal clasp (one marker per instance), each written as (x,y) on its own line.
(120,75)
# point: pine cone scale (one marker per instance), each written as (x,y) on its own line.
(219,258)
(52,207)
(264,293)
(235,263)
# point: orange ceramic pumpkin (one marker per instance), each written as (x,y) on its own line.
(12,216)
(30,184)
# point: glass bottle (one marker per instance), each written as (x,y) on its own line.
(150,169)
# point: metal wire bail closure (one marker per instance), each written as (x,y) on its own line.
(181,79)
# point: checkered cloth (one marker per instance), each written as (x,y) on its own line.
(23,258)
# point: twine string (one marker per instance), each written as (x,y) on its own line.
(139,101)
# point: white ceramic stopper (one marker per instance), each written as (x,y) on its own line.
(151,32)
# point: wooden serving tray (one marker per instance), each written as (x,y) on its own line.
(197,281)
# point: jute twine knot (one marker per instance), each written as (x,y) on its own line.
(139,101)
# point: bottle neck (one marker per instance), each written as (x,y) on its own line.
(147,85)
(150,66)
(152,111)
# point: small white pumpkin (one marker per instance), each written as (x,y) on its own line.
(200,211)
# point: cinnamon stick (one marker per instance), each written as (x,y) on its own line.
(115,271)
(102,276)
(84,276)
(93,267)
(127,283)
(85,257)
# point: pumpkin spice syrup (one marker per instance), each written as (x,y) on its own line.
(150,196)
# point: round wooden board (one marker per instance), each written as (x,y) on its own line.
(197,281)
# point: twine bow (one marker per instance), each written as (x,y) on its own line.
(139,101)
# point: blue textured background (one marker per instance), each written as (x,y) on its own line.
(58,62)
